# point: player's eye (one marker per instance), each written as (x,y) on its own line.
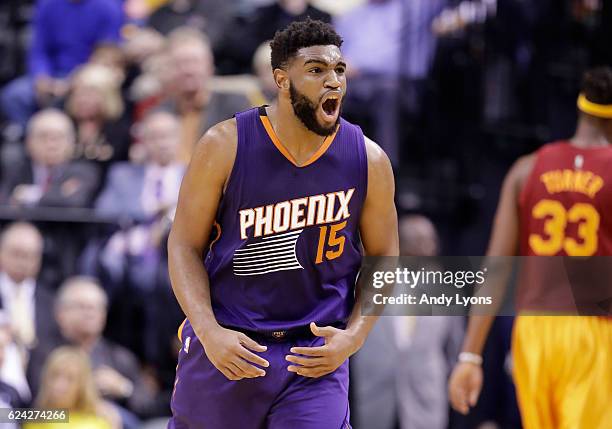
(315,70)
(340,70)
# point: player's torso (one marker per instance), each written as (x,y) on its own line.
(289,247)
(566,201)
(565,208)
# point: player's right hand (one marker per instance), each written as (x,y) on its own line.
(464,386)
(231,352)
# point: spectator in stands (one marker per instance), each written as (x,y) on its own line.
(146,194)
(68,383)
(65,33)
(418,236)
(163,316)
(190,94)
(81,310)
(262,67)
(148,71)
(237,49)
(142,43)
(27,303)
(9,396)
(211,17)
(96,106)
(48,177)
(400,373)
(12,368)
(111,56)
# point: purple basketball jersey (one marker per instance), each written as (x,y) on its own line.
(289,249)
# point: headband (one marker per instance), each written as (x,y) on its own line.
(594,109)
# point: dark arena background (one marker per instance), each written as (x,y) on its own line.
(102,101)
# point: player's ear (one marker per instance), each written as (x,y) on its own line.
(282,79)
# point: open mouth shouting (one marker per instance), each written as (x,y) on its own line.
(329,107)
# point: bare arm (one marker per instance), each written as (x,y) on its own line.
(199,197)
(379,234)
(201,191)
(466,379)
(379,231)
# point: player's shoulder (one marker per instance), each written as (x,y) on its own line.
(521,169)
(380,171)
(219,141)
(522,166)
(215,152)
(377,157)
(222,132)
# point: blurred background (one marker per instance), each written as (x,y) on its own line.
(101,102)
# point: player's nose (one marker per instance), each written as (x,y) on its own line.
(332,80)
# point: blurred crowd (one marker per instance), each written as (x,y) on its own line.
(101,102)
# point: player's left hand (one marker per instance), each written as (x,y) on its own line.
(318,361)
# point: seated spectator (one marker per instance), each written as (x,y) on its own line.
(237,48)
(12,369)
(148,71)
(64,35)
(9,396)
(48,177)
(81,310)
(262,68)
(163,316)
(418,236)
(141,44)
(146,194)
(96,106)
(211,17)
(111,56)
(189,94)
(27,303)
(68,382)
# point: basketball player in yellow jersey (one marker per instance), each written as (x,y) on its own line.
(555,202)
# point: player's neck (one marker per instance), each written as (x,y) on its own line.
(589,135)
(292,133)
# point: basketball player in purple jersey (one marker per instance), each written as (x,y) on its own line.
(295,193)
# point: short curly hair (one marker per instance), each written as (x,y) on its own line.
(298,35)
(597,85)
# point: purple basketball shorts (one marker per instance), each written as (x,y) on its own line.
(204,399)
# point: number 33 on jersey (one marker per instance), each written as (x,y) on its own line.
(567,202)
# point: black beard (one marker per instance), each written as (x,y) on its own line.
(306,111)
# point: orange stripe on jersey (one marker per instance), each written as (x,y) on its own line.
(180,331)
(282,149)
(218,227)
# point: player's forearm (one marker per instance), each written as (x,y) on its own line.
(190,284)
(477,333)
(482,316)
(359,326)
